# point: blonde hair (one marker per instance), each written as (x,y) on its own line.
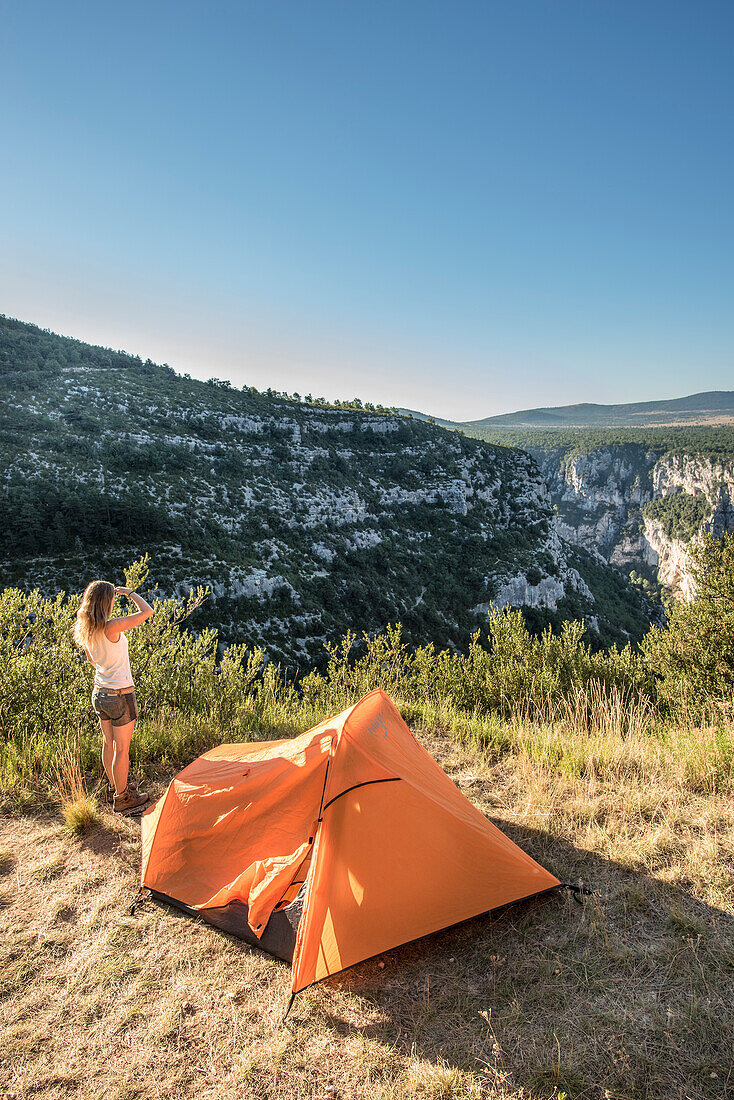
(93,611)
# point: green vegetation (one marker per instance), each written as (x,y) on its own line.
(680,514)
(30,355)
(693,658)
(192,698)
(714,440)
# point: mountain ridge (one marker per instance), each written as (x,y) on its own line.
(707,407)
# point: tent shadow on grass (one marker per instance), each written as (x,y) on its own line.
(630,994)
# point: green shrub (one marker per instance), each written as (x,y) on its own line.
(693,657)
(193,697)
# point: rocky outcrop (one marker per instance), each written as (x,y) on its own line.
(607,500)
(530,589)
(670,558)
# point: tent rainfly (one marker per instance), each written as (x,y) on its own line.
(331,847)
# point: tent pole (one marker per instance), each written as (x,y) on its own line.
(323,792)
(314,839)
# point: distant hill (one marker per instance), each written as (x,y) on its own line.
(713,407)
(425,416)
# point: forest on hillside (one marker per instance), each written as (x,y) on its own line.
(711,440)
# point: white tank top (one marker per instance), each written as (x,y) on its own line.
(111,661)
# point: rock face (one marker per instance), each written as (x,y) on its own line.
(531,590)
(638,507)
(670,558)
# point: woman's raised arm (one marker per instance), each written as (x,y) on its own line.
(127,622)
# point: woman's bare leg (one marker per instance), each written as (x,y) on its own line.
(108,749)
(121,758)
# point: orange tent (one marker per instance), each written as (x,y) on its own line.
(331,847)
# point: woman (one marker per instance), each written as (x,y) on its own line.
(113,697)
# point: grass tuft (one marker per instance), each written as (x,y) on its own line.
(78,808)
(81,815)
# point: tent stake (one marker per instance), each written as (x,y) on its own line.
(138,899)
(290,1006)
(577,889)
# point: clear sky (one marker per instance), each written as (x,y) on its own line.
(461,207)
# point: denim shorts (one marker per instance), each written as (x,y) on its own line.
(114,708)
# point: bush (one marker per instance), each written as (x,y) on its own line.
(193,698)
(514,672)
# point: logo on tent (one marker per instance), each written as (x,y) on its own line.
(378,724)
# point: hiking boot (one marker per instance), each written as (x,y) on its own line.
(131,786)
(130,801)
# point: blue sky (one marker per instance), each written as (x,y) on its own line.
(465,208)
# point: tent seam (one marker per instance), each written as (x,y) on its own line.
(155,834)
(367,783)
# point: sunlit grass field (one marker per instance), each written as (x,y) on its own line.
(629,994)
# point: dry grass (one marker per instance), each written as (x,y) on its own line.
(79,809)
(630,995)
(80,815)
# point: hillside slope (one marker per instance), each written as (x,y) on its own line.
(306,520)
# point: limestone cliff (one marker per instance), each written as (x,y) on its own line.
(638,507)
